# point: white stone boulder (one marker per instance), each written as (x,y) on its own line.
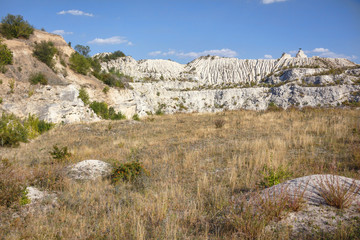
(89,170)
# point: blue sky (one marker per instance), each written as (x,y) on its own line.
(182,30)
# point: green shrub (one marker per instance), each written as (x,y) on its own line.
(15,27)
(273,176)
(1,100)
(273,107)
(6,55)
(35,126)
(24,199)
(79,63)
(84,96)
(111,56)
(13,130)
(101,109)
(106,89)
(36,78)
(45,52)
(136,117)
(128,172)
(110,79)
(60,154)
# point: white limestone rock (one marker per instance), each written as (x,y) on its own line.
(89,170)
(301,54)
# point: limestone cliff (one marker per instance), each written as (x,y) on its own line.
(207,84)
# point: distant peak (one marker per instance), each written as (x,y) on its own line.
(301,54)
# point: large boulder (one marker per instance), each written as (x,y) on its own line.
(89,170)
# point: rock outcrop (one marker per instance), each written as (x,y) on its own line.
(89,170)
(207,84)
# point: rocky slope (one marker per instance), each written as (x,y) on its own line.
(207,84)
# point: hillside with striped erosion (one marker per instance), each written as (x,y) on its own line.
(207,84)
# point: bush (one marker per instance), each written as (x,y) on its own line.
(45,52)
(136,117)
(84,96)
(111,79)
(6,55)
(111,56)
(15,27)
(83,50)
(60,154)
(128,172)
(13,130)
(273,176)
(36,78)
(79,63)
(101,109)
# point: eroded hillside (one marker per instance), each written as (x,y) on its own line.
(207,84)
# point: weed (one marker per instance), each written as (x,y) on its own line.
(60,154)
(12,85)
(336,192)
(219,123)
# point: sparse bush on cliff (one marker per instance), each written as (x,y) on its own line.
(111,56)
(84,96)
(45,52)
(36,78)
(15,27)
(79,63)
(101,109)
(6,55)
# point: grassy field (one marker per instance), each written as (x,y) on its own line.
(197,164)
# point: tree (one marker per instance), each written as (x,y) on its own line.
(83,50)
(15,27)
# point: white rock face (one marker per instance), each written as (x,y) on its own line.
(301,54)
(89,170)
(53,104)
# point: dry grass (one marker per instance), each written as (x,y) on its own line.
(195,170)
(337,193)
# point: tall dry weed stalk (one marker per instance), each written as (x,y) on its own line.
(337,192)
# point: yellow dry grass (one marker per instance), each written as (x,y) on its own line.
(195,170)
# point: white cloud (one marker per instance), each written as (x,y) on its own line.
(267,56)
(271,1)
(76,13)
(61,32)
(112,40)
(225,52)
